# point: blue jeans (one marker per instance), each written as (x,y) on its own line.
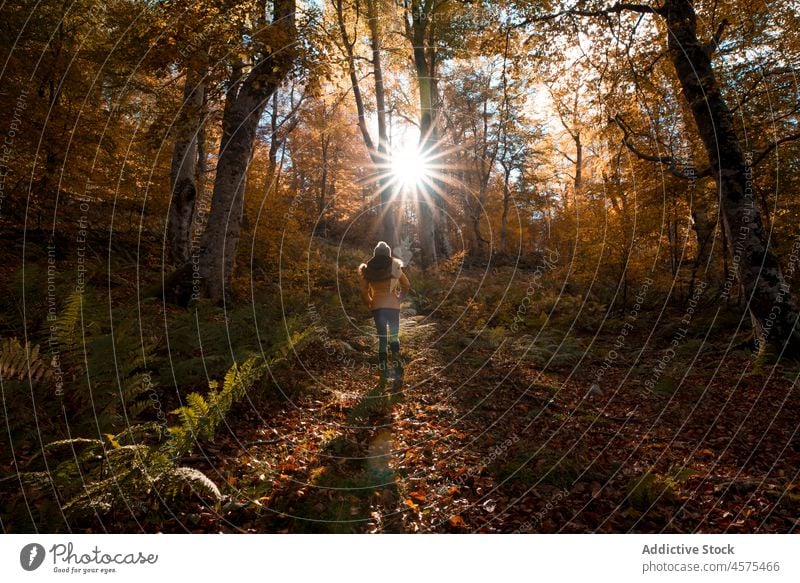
(387,318)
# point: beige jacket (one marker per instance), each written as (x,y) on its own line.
(385,293)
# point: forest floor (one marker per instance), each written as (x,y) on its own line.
(475,439)
(567,424)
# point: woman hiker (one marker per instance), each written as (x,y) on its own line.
(383,287)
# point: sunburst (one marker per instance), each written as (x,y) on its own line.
(410,168)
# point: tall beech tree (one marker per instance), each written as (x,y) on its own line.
(187,163)
(252,84)
(756,265)
(423,20)
(195,39)
(378,150)
(774,311)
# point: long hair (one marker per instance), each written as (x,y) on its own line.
(381,268)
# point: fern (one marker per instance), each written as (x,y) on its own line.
(201,416)
(174,482)
(101,476)
(67,322)
(17,361)
(106,365)
(133,469)
(125,475)
(26,391)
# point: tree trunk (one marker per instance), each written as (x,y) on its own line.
(279,133)
(321,228)
(578,184)
(773,310)
(427,234)
(244,105)
(379,155)
(184,174)
(432,241)
(428,209)
(274,147)
(506,200)
(505,162)
(704,228)
(387,193)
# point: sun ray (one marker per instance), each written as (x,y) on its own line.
(412,174)
(409,167)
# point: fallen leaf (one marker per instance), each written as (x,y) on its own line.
(410,503)
(418,495)
(456,521)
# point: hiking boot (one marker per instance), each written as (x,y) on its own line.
(383,364)
(399,365)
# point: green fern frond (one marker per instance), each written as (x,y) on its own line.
(151,431)
(67,321)
(95,492)
(176,480)
(201,416)
(72,444)
(102,475)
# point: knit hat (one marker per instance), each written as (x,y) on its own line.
(382,248)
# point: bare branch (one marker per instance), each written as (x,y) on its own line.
(403,116)
(668,161)
(750,91)
(357,96)
(712,45)
(617,8)
(766,151)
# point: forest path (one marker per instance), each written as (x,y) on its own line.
(481,439)
(340,472)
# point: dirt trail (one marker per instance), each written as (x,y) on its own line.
(340,476)
(480,440)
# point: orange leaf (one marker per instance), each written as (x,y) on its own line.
(410,504)
(456,521)
(419,496)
